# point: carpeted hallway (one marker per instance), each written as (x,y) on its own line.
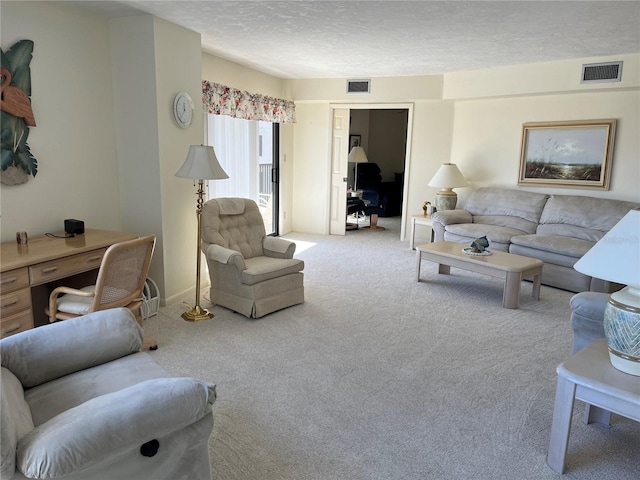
(377,376)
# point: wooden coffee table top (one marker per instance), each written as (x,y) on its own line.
(508,262)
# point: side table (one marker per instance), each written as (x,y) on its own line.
(589,376)
(419,220)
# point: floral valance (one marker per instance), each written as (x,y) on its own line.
(222,100)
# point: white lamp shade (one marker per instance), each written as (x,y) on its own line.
(201,164)
(357,155)
(616,256)
(448,176)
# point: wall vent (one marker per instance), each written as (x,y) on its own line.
(601,72)
(358,86)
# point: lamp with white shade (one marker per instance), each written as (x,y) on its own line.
(616,258)
(357,155)
(446,178)
(201,164)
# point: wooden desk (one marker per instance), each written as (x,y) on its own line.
(43,260)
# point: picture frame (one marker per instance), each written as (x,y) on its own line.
(567,154)
(354,141)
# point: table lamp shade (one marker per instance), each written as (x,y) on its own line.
(447,177)
(201,163)
(616,258)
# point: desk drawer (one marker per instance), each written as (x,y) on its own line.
(16,323)
(65,267)
(11,303)
(14,280)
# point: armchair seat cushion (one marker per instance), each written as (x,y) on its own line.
(260,269)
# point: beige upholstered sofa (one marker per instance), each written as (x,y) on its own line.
(557,229)
(251,273)
(80,401)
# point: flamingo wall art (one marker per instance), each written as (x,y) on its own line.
(16,160)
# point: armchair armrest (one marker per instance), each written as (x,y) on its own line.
(53,351)
(223,255)
(108,426)
(278,247)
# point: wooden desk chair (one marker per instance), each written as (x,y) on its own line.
(120,283)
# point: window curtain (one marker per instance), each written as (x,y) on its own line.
(235,143)
(222,100)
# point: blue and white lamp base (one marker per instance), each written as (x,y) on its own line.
(622,329)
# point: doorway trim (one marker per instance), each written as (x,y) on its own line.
(407,154)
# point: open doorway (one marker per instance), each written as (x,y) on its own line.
(384,131)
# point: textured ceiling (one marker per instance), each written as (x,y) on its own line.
(356,39)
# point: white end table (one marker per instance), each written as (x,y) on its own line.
(589,376)
(419,220)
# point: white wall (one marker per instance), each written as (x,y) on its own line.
(475,120)
(487,136)
(74,140)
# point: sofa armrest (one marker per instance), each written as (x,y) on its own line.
(587,318)
(443,218)
(223,255)
(278,247)
(110,425)
(45,353)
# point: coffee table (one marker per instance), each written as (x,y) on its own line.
(506,266)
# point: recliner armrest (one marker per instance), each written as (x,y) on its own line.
(107,426)
(278,247)
(223,255)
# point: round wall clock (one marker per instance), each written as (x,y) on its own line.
(183,109)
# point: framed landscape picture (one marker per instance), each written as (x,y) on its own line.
(567,154)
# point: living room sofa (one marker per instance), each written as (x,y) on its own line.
(557,229)
(80,401)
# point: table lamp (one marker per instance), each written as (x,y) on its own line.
(616,258)
(357,155)
(447,178)
(201,164)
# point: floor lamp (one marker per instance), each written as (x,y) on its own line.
(201,164)
(357,155)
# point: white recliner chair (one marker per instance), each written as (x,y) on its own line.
(81,402)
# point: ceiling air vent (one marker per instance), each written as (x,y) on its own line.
(601,72)
(358,86)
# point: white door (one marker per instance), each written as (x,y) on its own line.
(339,170)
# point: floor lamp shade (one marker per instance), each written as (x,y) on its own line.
(616,258)
(446,178)
(357,155)
(201,164)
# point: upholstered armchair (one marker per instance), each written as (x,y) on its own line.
(251,273)
(80,401)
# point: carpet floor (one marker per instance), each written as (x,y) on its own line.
(377,376)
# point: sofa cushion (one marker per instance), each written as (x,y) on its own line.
(566,246)
(495,233)
(504,202)
(586,218)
